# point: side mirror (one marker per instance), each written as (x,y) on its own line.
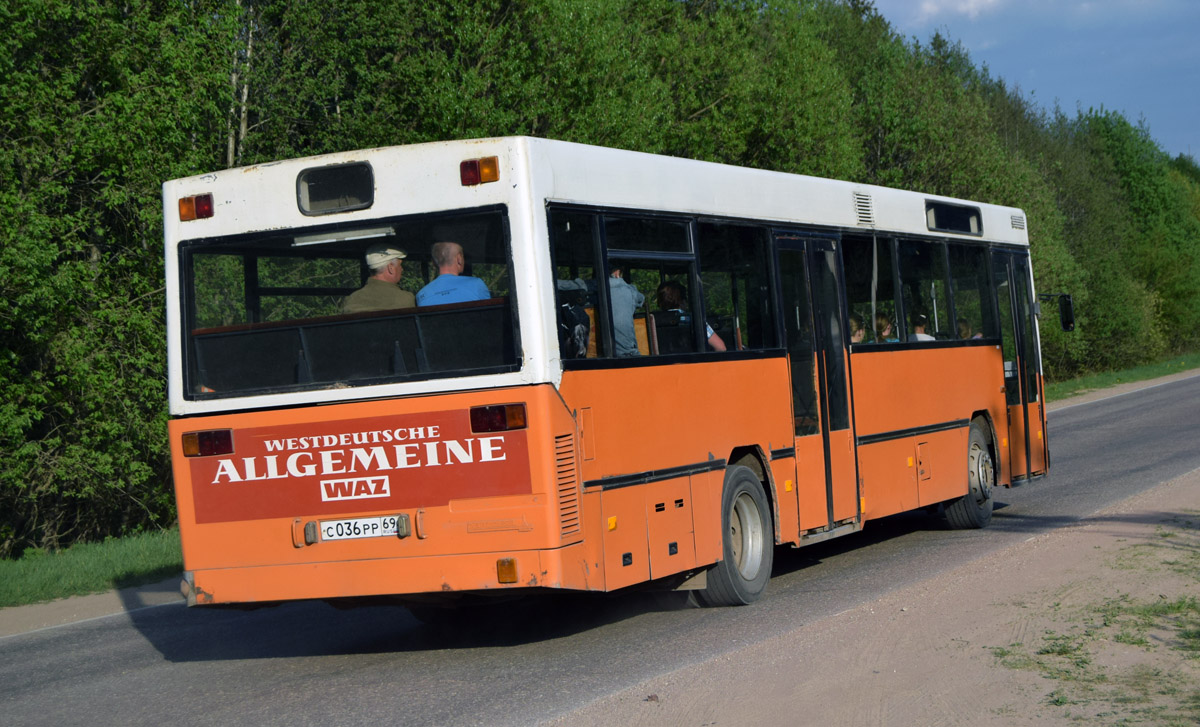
(1066,312)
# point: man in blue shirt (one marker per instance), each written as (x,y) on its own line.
(451,286)
(626,299)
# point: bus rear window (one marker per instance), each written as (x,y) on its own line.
(343,306)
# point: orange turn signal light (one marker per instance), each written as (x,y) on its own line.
(506,570)
(196,207)
(479,171)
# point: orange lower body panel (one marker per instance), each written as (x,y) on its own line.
(441,574)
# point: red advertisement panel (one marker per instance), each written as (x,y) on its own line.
(358,465)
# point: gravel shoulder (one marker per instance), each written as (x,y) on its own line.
(1025,636)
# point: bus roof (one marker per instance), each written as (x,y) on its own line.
(425,177)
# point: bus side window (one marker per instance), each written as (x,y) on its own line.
(735,275)
(870,290)
(633,292)
(968,272)
(573,247)
(926,294)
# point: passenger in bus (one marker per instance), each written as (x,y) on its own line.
(883,329)
(964,330)
(451,286)
(920,322)
(672,297)
(625,301)
(574,325)
(382,290)
(857,332)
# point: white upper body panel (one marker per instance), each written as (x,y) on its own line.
(425,178)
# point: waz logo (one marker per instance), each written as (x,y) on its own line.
(356,488)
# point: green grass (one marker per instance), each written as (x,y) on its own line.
(90,568)
(1173,365)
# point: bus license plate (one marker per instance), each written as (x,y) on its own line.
(361,527)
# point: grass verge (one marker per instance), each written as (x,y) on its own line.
(1092,382)
(1133,658)
(90,568)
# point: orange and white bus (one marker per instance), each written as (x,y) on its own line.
(675,367)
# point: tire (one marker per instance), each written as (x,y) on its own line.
(748,543)
(974,510)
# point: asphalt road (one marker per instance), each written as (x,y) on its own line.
(302,664)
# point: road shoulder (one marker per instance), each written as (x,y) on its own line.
(945,651)
(37,616)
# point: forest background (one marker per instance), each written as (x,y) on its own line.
(103,100)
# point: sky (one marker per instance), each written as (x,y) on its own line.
(1139,57)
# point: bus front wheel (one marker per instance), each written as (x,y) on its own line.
(974,509)
(748,543)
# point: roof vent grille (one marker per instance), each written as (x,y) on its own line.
(864,210)
(1018,222)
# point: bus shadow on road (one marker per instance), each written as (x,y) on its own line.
(314,628)
(876,532)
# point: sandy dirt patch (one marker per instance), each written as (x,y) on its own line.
(1058,629)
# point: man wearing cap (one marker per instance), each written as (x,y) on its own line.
(451,286)
(381,291)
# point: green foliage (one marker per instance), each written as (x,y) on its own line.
(1163,249)
(103,100)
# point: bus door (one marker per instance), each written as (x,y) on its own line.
(811,305)
(1022,377)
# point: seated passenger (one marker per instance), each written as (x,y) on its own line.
(883,329)
(857,332)
(574,326)
(382,290)
(672,297)
(919,323)
(964,330)
(451,286)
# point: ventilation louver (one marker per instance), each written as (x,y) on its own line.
(568,484)
(864,210)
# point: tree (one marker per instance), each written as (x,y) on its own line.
(102,100)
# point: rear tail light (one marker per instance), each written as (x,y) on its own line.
(498,418)
(205,444)
(479,171)
(196,207)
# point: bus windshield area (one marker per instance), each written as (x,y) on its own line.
(389,300)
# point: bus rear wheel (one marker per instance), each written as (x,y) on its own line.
(748,543)
(974,510)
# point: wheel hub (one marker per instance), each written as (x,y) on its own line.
(746,536)
(985,474)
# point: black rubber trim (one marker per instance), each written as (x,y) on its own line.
(786,453)
(922,345)
(914,432)
(642,478)
(698,357)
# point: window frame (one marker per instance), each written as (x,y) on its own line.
(696,297)
(189,248)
